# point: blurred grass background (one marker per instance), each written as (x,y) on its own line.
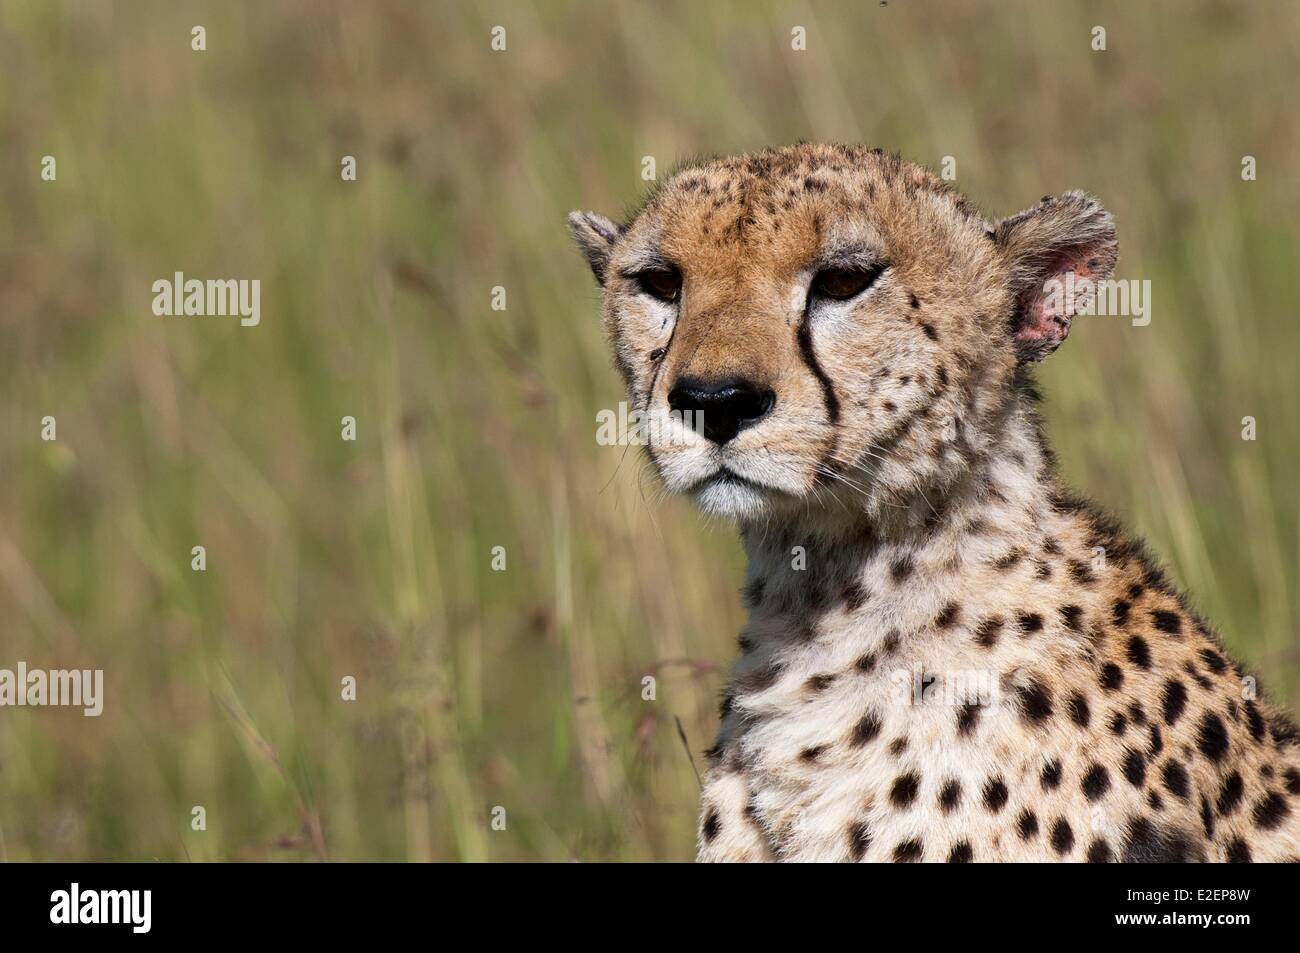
(476,427)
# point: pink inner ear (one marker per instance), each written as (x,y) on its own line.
(1050,308)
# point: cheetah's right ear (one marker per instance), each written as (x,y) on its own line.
(595,235)
(1056,252)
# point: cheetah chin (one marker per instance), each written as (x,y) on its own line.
(948,656)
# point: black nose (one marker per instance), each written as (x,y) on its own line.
(726,407)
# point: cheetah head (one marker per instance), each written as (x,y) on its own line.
(817,326)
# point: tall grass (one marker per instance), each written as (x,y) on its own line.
(523,689)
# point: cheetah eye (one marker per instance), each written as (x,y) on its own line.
(662,283)
(840,284)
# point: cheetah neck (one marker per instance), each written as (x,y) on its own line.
(999,506)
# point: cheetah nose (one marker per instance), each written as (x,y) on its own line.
(726,406)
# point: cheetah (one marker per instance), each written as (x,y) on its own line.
(948,655)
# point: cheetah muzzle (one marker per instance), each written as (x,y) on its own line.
(948,656)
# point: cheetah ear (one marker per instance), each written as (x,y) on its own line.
(595,235)
(1056,253)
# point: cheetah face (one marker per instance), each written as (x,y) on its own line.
(828,326)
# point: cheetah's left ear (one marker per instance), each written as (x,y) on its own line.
(595,235)
(1056,252)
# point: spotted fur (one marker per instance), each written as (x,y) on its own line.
(948,657)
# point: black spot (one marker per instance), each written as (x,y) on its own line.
(1080,572)
(1292,777)
(1137,714)
(1175,778)
(1062,837)
(1035,703)
(1051,776)
(1096,782)
(859,839)
(929,330)
(1238,852)
(968,717)
(1157,741)
(908,852)
(1026,824)
(854,596)
(1138,652)
(818,683)
(1212,738)
(1029,622)
(1153,798)
(1072,616)
(898,746)
(1207,817)
(950,795)
(1167,621)
(866,663)
(1200,679)
(901,568)
(1135,768)
(948,616)
(1174,701)
(1099,852)
(914,302)
(1255,720)
(903,792)
(986,634)
(961,853)
(867,728)
(1285,733)
(1230,795)
(1111,677)
(1118,724)
(1269,811)
(995,795)
(1079,711)
(711,825)
(1121,612)
(1004,563)
(1214,660)
(810,755)
(1148,844)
